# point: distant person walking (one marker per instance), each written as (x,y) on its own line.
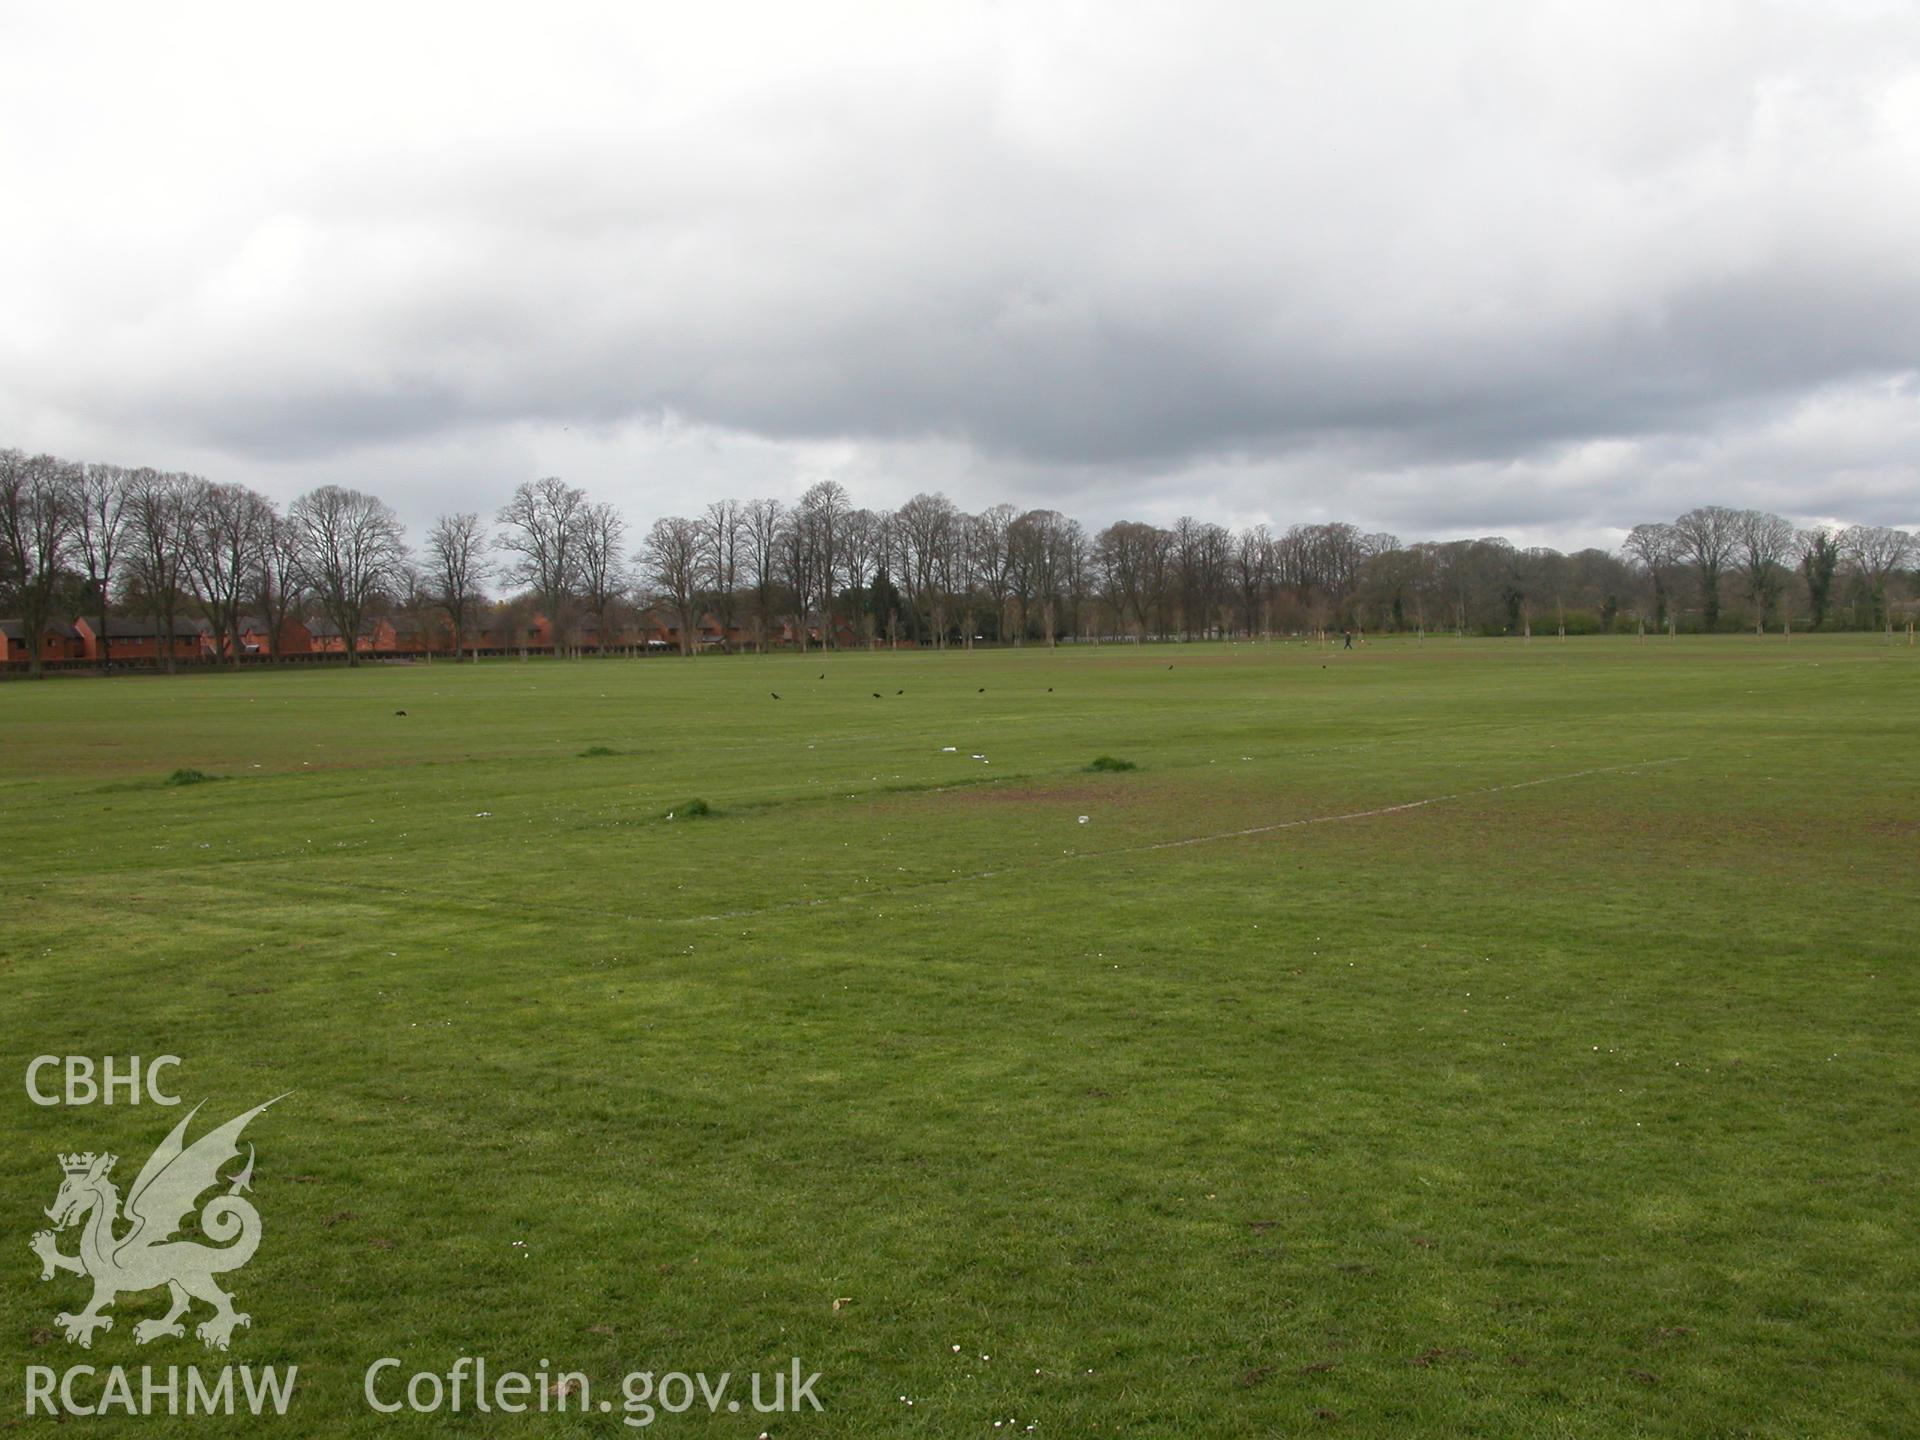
(1347,635)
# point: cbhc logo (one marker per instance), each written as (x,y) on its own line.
(86,1083)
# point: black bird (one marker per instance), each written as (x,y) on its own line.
(399,712)
(899,692)
(823,674)
(1169,667)
(876,694)
(774,693)
(981,691)
(1049,689)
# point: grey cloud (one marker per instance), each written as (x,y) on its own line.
(1418,264)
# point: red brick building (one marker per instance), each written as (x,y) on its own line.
(135,638)
(58,641)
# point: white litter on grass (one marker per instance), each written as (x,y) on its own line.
(483,814)
(948,749)
(1083,819)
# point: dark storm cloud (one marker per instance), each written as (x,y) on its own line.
(1523,266)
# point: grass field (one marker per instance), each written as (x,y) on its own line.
(1468,1038)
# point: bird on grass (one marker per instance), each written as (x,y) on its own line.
(774,693)
(981,691)
(399,712)
(876,694)
(899,692)
(1049,689)
(823,674)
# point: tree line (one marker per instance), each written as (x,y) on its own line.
(82,538)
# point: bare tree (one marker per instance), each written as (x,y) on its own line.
(797,555)
(1656,548)
(863,539)
(102,503)
(39,511)
(1038,542)
(993,565)
(158,513)
(604,577)
(541,528)
(825,507)
(1818,550)
(1707,537)
(764,520)
(723,536)
(1766,542)
(967,587)
(1131,557)
(224,527)
(1392,588)
(928,530)
(276,584)
(1187,588)
(351,548)
(1876,552)
(1076,555)
(1212,562)
(1253,579)
(671,555)
(456,571)
(414,610)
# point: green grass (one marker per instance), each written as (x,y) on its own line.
(1454,1038)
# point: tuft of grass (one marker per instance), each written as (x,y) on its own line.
(692,810)
(184,776)
(1107,762)
(592,750)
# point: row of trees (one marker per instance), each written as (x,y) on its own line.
(930,573)
(1775,568)
(79,537)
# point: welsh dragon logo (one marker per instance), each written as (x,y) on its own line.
(131,1251)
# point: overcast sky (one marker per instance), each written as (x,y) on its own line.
(1450,269)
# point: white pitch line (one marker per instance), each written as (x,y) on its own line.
(1384,809)
(898,895)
